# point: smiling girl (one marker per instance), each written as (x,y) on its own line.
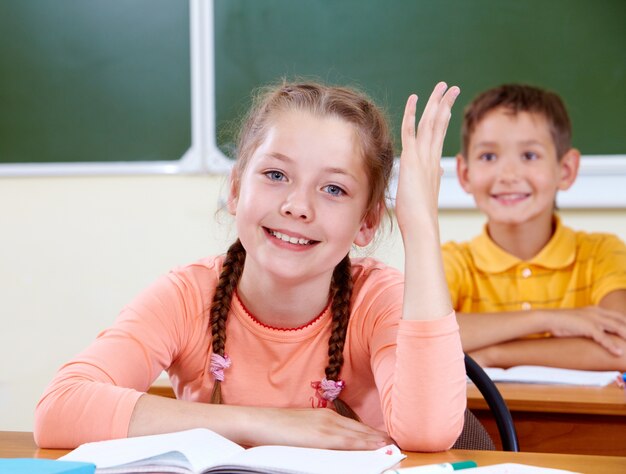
(275,341)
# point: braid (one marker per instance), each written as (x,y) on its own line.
(231,272)
(340,293)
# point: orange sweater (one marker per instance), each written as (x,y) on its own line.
(405,377)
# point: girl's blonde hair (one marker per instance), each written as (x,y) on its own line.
(376,147)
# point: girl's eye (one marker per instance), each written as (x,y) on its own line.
(487,157)
(275,175)
(334,190)
(530,156)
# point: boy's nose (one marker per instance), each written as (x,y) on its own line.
(509,170)
(298,205)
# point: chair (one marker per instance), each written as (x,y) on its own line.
(474,433)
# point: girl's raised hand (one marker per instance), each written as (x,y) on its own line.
(420,167)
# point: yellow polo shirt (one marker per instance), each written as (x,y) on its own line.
(574,269)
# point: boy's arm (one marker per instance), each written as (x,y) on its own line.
(568,353)
(585,353)
(595,323)
(616,301)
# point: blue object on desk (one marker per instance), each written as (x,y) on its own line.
(44,466)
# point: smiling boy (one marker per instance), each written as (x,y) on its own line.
(530,290)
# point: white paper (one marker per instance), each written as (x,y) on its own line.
(552,375)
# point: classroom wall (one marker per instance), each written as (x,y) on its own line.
(74,250)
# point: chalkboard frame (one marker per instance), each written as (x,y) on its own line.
(600,183)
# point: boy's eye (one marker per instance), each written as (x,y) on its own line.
(334,190)
(530,156)
(275,175)
(487,157)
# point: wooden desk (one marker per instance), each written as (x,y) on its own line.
(20,444)
(560,419)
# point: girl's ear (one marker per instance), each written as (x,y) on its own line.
(233,192)
(369,226)
(569,165)
(462,173)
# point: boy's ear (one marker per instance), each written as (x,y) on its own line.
(233,192)
(569,165)
(462,173)
(369,226)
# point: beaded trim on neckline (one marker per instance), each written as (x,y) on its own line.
(267,326)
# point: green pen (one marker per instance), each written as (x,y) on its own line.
(433,468)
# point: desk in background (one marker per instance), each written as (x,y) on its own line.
(560,419)
(15,444)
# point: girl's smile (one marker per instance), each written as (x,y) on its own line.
(289,238)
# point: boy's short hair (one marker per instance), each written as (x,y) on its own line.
(520,98)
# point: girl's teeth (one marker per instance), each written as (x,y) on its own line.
(291,240)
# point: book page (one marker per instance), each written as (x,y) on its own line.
(202,448)
(552,375)
(287,459)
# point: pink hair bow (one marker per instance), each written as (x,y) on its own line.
(330,389)
(218,364)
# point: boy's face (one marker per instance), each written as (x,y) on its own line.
(512,168)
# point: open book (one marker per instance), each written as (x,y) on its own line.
(552,375)
(203,451)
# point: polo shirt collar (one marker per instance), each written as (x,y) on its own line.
(559,252)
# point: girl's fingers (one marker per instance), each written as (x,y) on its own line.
(408,122)
(430,111)
(442,120)
(433,124)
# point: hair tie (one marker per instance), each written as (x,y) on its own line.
(218,364)
(330,389)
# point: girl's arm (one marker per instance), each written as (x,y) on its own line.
(254,426)
(424,410)
(426,292)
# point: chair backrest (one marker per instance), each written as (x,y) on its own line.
(497,405)
(474,435)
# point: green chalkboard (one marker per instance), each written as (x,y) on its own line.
(391,48)
(94,80)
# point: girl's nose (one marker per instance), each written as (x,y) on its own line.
(298,205)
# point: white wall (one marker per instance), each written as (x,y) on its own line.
(74,250)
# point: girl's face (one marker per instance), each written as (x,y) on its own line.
(302,198)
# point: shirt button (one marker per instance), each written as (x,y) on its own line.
(526,305)
(526,272)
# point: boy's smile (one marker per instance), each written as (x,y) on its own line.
(512,168)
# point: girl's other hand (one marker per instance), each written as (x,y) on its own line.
(312,428)
(420,162)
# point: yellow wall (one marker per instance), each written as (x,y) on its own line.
(75,250)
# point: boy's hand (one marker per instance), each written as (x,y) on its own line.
(593,322)
(420,168)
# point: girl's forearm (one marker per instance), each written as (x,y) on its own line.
(426,294)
